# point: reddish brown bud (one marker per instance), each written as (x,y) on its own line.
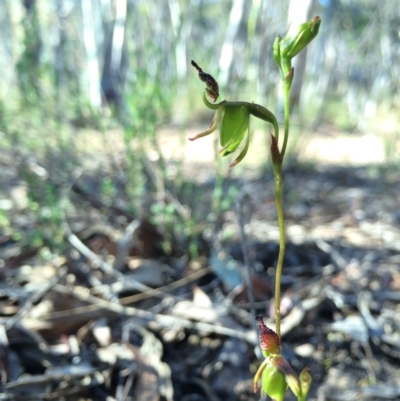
(269,340)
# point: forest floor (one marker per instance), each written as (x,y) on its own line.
(98,304)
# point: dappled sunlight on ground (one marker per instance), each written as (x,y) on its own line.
(344,149)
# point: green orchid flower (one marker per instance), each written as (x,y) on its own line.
(275,372)
(233,118)
(276,376)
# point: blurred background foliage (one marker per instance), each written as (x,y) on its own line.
(72,57)
(88,87)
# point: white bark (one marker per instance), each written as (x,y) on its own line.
(226,59)
(180,38)
(118,35)
(299,12)
(93,72)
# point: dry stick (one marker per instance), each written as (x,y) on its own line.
(87,253)
(82,248)
(125,244)
(147,292)
(164,320)
(51,375)
(36,295)
(173,286)
(106,268)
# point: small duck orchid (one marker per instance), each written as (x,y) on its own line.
(233,119)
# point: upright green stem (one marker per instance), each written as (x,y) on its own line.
(282,244)
(286,105)
(279,204)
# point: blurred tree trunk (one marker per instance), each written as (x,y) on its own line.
(60,75)
(114,68)
(6,50)
(226,59)
(92,62)
(28,66)
(180,38)
(299,11)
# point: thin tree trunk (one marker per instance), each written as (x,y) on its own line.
(227,52)
(179,38)
(92,72)
(299,11)
(118,36)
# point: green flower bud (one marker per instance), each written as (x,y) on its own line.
(297,39)
(292,44)
(305,381)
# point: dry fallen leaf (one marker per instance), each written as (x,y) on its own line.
(200,298)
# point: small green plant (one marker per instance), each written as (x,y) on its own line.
(233,118)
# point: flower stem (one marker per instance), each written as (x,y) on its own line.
(279,205)
(286,106)
(282,244)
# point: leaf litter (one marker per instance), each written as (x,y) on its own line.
(114,317)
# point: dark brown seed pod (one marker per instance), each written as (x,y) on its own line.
(212,85)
